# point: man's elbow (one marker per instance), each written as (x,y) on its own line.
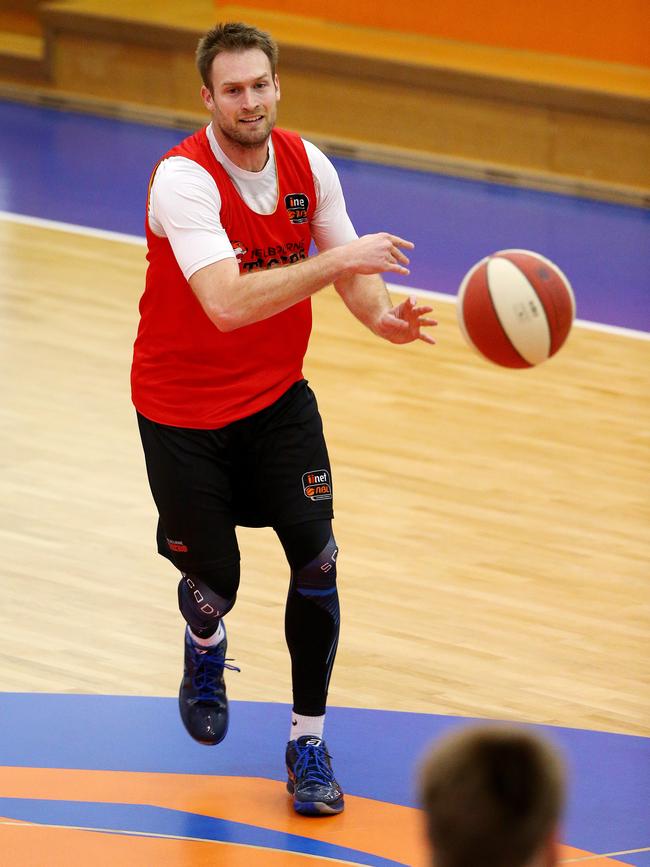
(217,290)
(222,309)
(223,318)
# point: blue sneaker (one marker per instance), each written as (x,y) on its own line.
(311,779)
(202,696)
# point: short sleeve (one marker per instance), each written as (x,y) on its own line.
(184,206)
(331,226)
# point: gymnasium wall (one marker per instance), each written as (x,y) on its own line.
(617,32)
(556,98)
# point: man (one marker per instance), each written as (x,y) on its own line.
(492,797)
(230,429)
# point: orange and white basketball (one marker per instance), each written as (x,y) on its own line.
(516,308)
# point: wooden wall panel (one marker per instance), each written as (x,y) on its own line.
(144,74)
(597,148)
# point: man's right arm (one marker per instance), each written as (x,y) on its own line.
(184,206)
(232,300)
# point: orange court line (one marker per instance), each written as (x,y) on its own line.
(376,827)
(70,847)
(366,825)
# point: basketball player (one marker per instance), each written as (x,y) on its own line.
(230,429)
(493,796)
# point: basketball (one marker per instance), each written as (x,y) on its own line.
(516,308)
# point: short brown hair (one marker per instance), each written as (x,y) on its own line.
(492,796)
(232,36)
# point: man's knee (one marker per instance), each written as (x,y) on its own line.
(205,597)
(317,579)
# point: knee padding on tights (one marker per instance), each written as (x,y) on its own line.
(201,606)
(317,580)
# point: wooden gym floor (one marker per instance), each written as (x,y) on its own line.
(492,523)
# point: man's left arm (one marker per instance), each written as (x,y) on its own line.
(367,298)
(365,295)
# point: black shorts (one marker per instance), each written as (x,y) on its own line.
(268,470)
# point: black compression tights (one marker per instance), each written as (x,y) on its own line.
(312,612)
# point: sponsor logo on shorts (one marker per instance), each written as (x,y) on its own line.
(316,485)
(176,545)
(297,205)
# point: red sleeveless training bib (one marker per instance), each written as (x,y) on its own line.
(186,372)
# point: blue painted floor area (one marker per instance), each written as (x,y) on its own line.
(142,819)
(94,172)
(376,754)
(604,249)
(640,859)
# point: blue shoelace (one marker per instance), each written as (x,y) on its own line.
(312,766)
(209,666)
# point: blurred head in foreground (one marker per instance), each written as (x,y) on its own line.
(493,797)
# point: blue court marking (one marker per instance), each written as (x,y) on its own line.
(376,753)
(142,819)
(92,171)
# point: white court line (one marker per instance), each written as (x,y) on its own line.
(580,323)
(139,240)
(585,858)
(28,824)
(158,836)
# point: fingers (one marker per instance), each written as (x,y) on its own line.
(381,252)
(396,268)
(397,254)
(412,319)
(401,242)
(397,261)
(408,309)
(410,306)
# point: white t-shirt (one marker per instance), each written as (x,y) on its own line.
(184,205)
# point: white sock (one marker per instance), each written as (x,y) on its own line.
(306,725)
(213,640)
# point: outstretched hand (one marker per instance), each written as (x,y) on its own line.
(404,323)
(375,254)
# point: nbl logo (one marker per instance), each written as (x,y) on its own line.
(316,485)
(297,205)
